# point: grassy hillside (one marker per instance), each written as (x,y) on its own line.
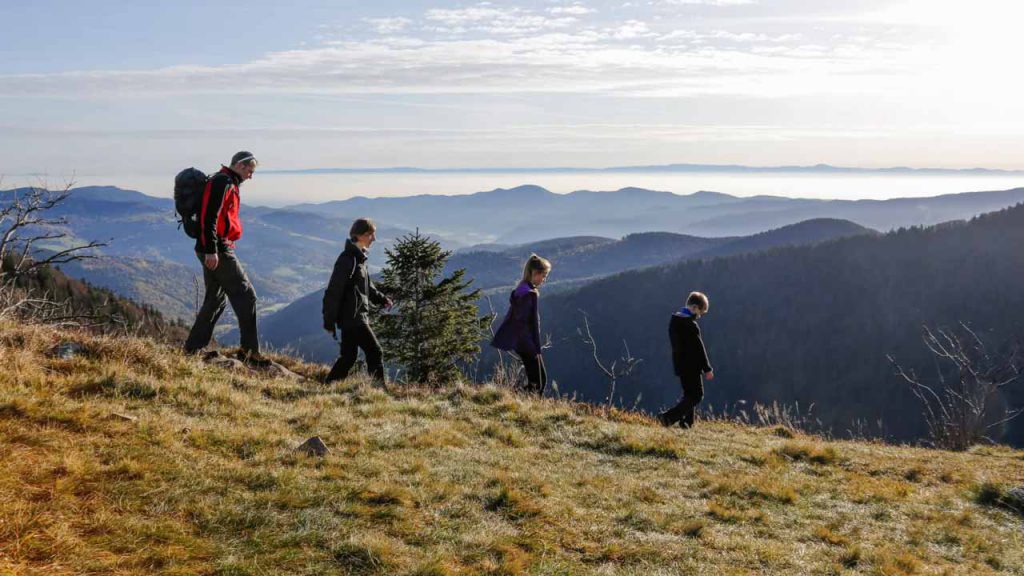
(459,481)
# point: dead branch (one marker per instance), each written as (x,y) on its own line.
(619,368)
(962,411)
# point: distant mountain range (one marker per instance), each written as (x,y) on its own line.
(735,168)
(531,213)
(588,257)
(297,327)
(289,252)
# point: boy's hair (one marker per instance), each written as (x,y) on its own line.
(361,226)
(535,264)
(699,300)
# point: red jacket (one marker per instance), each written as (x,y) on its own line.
(221,226)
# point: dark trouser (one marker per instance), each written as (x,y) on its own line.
(693,393)
(353,338)
(536,374)
(227,283)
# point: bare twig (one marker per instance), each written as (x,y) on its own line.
(962,411)
(619,368)
(27,223)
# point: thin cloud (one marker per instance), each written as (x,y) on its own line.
(389,25)
(490,49)
(706,2)
(571,10)
(584,62)
(486,18)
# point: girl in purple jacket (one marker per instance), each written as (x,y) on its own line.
(520,330)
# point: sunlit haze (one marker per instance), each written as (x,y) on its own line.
(118,92)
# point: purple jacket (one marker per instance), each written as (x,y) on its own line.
(520,330)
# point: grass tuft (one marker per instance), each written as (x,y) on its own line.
(514,504)
(357,557)
(994,495)
(783,432)
(802,451)
(828,536)
(724,513)
(694,528)
(619,443)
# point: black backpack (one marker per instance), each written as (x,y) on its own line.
(189,187)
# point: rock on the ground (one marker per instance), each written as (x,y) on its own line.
(227,363)
(124,417)
(314,447)
(67,350)
(276,370)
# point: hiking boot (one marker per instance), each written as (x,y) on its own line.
(211,355)
(258,360)
(665,420)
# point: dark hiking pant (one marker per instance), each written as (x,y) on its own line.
(536,373)
(227,283)
(352,339)
(693,393)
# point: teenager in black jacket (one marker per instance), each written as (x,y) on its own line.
(347,304)
(689,358)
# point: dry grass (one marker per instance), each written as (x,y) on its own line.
(451,482)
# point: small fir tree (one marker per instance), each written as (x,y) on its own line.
(436,326)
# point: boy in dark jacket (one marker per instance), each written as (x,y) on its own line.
(347,301)
(689,358)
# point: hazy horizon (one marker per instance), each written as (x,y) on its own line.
(277,190)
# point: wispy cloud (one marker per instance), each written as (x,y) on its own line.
(489,19)
(487,48)
(585,62)
(389,25)
(707,2)
(572,10)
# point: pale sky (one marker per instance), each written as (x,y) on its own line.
(118,87)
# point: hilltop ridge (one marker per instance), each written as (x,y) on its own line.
(131,458)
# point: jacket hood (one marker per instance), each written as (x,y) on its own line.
(356,251)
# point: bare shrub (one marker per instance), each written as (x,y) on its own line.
(619,368)
(966,403)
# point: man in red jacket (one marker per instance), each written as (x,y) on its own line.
(223,275)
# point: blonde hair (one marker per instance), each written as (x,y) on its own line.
(535,264)
(699,300)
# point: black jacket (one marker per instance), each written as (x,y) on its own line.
(689,356)
(346,301)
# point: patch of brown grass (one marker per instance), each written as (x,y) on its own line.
(802,451)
